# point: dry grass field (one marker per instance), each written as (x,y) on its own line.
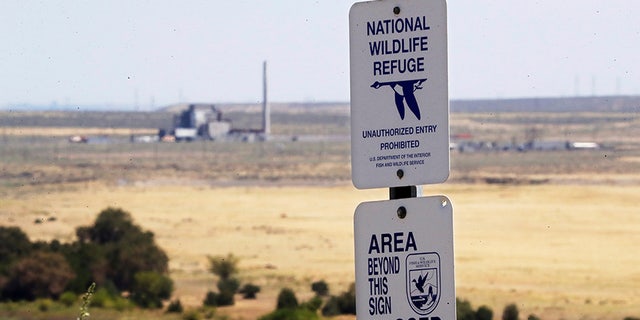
(558,235)
(560,252)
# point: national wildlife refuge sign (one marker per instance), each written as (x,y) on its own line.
(399,93)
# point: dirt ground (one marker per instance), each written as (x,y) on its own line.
(557,251)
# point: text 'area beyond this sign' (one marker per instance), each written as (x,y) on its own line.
(404,259)
(399,93)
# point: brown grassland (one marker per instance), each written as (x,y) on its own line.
(557,235)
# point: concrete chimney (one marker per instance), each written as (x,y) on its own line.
(266,112)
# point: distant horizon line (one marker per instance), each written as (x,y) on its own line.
(125,107)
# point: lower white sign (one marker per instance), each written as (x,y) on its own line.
(404,259)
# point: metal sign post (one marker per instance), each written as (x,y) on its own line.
(400,140)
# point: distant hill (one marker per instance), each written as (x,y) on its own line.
(566,104)
(575,104)
(84,116)
(89,119)
(64,107)
(257,107)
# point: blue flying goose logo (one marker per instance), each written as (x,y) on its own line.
(404,93)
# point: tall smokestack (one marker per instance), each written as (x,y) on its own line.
(266,112)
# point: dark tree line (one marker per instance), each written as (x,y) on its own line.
(114,253)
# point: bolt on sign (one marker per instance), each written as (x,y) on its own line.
(404,259)
(399,93)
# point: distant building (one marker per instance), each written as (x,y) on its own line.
(583,145)
(549,145)
(202,121)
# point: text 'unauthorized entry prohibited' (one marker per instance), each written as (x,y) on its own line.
(399,92)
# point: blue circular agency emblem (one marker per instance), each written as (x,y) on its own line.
(423,281)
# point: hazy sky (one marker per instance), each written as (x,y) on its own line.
(154,53)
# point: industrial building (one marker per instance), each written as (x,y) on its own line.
(205,121)
(199,121)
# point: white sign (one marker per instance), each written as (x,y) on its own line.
(399,93)
(404,259)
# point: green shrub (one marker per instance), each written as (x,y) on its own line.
(210,299)
(44,305)
(150,288)
(223,267)
(102,298)
(249,291)
(464,311)
(224,298)
(345,303)
(209,312)
(331,308)
(321,288)
(213,299)
(484,313)
(287,299)
(127,249)
(229,285)
(191,315)
(38,275)
(111,225)
(68,298)
(347,300)
(510,312)
(14,244)
(175,306)
(313,305)
(89,263)
(533,317)
(109,299)
(122,304)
